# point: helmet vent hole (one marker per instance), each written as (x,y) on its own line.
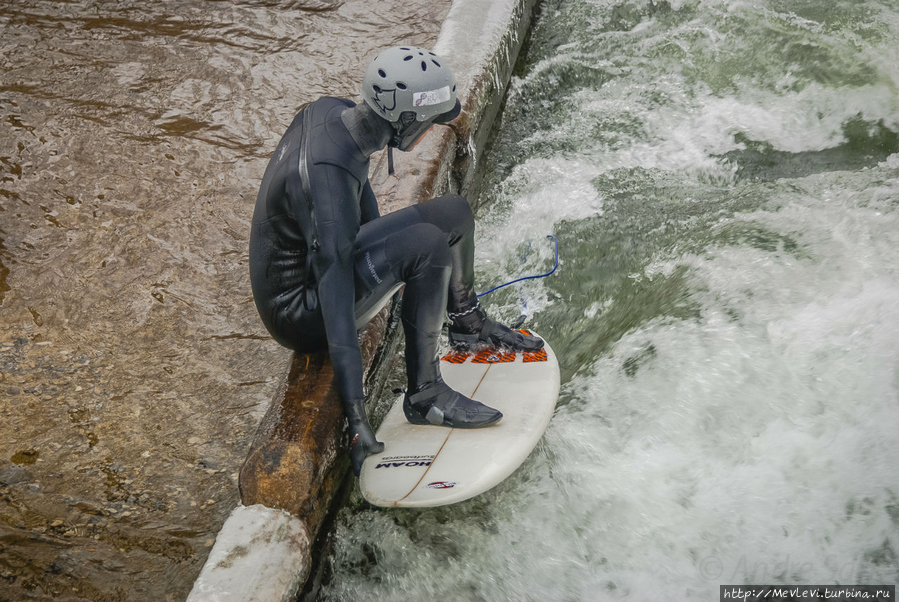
(408,58)
(424,66)
(377,89)
(381,73)
(435,62)
(454,87)
(401,85)
(404,48)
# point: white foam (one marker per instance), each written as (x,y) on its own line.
(755,444)
(752,443)
(652,117)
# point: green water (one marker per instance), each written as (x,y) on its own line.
(723,180)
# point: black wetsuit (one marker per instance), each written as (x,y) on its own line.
(319,266)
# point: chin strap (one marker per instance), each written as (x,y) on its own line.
(390,160)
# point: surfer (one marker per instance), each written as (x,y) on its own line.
(323,260)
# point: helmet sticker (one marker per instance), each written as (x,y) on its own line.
(385,99)
(432,97)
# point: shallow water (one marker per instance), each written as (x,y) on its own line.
(723,179)
(133,366)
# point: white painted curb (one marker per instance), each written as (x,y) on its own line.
(260,555)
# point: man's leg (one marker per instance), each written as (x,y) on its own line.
(470,325)
(405,250)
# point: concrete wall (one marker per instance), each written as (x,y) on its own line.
(298,458)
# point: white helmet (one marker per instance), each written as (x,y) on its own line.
(409,79)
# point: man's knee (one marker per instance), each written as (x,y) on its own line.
(458,203)
(451,213)
(429,242)
(420,241)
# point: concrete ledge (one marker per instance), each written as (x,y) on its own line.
(260,555)
(298,458)
(483,37)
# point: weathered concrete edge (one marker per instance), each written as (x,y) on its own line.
(263,551)
(258,555)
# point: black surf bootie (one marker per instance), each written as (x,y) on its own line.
(439,405)
(472,328)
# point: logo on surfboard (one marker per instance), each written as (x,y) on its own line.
(402,461)
(442,485)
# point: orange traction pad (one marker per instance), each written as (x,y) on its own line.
(493,355)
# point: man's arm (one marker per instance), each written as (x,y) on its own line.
(337,215)
(369,204)
(337,219)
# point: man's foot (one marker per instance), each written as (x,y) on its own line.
(439,405)
(473,328)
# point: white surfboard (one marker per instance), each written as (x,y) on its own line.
(424,466)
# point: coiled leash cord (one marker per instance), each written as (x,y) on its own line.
(524,316)
(523,278)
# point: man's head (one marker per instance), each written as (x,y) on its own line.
(413,89)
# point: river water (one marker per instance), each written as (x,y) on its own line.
(133,367)
(723,179)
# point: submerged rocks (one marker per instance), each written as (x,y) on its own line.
(10,474)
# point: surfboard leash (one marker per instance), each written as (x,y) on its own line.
(523,278)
